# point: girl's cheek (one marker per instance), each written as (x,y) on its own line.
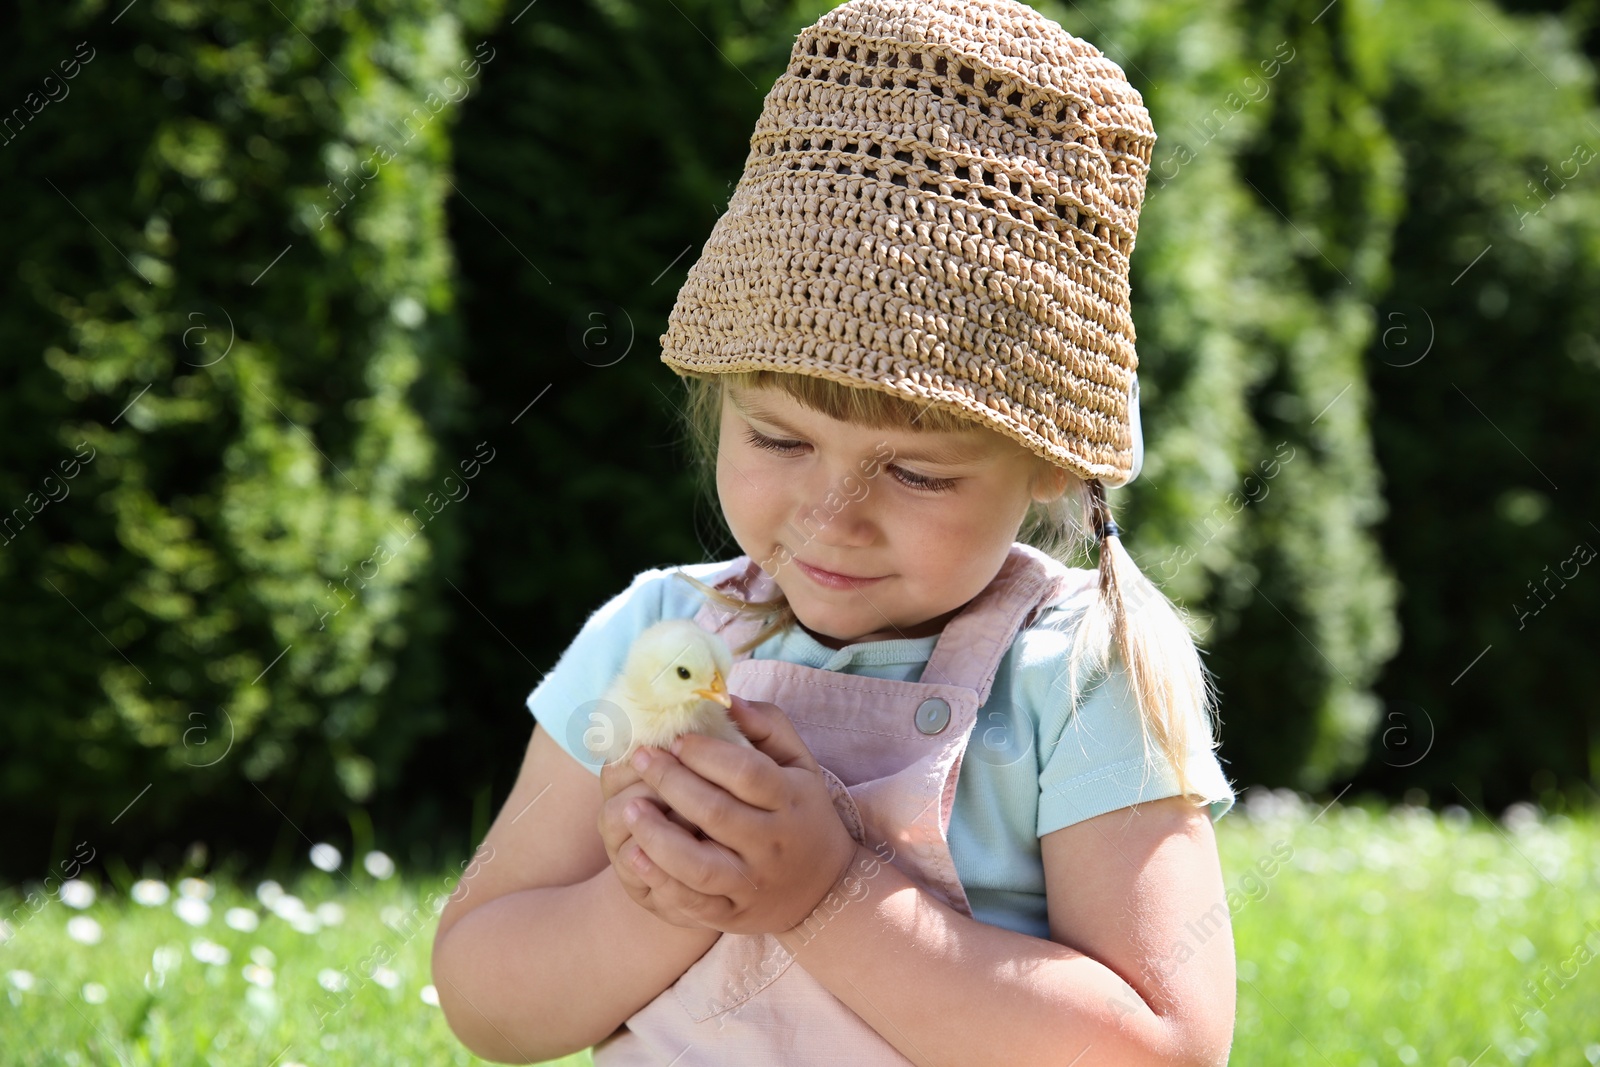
(744,503)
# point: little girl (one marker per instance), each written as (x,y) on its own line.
(976,822)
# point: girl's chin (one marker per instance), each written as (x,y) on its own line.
(829,632)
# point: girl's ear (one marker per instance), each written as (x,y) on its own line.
(1049,481)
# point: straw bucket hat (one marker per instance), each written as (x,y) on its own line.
(939,201)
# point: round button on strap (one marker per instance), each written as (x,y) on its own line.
(933,715)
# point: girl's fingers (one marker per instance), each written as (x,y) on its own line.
(679,818)
(673,902)
(705,804)
(633,883)
(769,728)
(743,773)
(616,776)
(614,830)
(704,867)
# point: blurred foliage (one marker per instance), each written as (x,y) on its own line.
(231,306)
(1314,334)
(1488,440)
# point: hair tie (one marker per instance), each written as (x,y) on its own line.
(1104,525)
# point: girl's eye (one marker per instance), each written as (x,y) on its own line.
(918,481)
(770,444)
(905,477)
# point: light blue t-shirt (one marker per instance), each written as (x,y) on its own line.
(1037,760)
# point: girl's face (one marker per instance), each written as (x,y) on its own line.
(930,517)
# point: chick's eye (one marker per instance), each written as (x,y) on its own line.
(683,672)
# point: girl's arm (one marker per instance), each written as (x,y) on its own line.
(1139,969)
(540,952)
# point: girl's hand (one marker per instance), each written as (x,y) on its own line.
(619,784)
(775,843)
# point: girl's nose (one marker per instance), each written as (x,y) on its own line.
(835,511)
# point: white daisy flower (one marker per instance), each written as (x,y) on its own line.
(207,951)
(196,889)
(286,906)
(429,995)
(22,980)
(258,975)
(192,910)
(305,923)
(76,893)
(150,893)
(243,920)
(330,913)
(83,929)
(331,980)
(325,857)
(378,864)
(1520,818)
(1523,949)
(94,992)
(167,957)
(268,893)
(385,977)
(263,955)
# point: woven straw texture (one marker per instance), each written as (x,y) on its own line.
(939,201)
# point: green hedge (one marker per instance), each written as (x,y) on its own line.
(1487,437)
(233,298)
(333,404)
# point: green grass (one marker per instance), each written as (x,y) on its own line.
(1403,937)
(170,999)
(1363,938)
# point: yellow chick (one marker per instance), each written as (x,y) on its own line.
(674,682)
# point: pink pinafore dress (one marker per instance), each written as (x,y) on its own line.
(891,752)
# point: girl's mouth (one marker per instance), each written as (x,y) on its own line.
(830,580)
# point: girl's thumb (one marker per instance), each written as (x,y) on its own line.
(747,713)
(770,731)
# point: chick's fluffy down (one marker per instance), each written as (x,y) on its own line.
(673,682)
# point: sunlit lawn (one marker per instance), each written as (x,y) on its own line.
(1410,938)
(1363,938)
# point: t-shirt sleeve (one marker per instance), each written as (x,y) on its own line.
(566,702)
(1098,764)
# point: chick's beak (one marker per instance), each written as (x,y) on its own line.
(717,692)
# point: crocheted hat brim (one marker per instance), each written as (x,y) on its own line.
(939,202)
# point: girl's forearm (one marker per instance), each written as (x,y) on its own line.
(943,988)
(539,974)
